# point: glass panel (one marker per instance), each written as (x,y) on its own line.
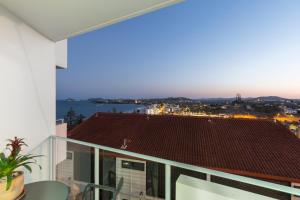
(74,166)
(176,172)
(141,179)
(44,161)
(254,189)
(107,173)
(296,197)
(155,180)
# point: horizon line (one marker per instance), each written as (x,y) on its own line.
(198,98)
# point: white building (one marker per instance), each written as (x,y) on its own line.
(290,111)
(152,110)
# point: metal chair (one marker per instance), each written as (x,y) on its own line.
(89,190)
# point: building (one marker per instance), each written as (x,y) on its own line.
(152,110)
(33,37)
(250,147)
(290,111)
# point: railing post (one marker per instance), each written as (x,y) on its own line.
(50,157)
(208,177)
(96,172)
(53,149)
(167,182)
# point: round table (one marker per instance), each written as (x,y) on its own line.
(46,190)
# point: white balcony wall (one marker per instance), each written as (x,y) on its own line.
(61,54)
(197,189)
(27,82)
(45,173)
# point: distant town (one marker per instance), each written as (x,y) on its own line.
(286,111)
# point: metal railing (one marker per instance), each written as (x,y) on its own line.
(168,164)
(90,189)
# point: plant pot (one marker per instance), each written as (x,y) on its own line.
(16,188)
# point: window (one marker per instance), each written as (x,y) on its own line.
(69,155)
(155,179)
(133,165)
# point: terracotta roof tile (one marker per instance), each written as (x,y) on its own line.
(244,146)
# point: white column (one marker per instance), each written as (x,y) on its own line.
(96,167)
(167,182)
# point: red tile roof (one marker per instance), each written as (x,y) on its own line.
(249,147)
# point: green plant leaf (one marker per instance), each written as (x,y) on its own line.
(2,157)
(9,164)
(27,167)
(8,181)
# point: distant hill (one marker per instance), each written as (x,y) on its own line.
(70,99)
(271,98)
(186,100)
(174,99)
(275,98)
(216,100)
(141,101)
(261,98)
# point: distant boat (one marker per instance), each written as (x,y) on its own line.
(70,99)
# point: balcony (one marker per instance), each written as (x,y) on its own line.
(99,172)
(33,43)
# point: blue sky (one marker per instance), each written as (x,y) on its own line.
(199,48)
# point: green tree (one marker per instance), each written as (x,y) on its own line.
(114,110)
(80,118)
(71,118)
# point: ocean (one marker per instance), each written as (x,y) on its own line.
(87,108)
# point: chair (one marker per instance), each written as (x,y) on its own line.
(89,190)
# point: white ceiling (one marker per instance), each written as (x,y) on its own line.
(61,19)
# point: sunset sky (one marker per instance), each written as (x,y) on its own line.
(199,48)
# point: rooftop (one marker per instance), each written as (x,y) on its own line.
(250,147)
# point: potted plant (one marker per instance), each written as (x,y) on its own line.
(11,178)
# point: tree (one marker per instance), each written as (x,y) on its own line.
(114,110)
(70,118)
(80,118)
